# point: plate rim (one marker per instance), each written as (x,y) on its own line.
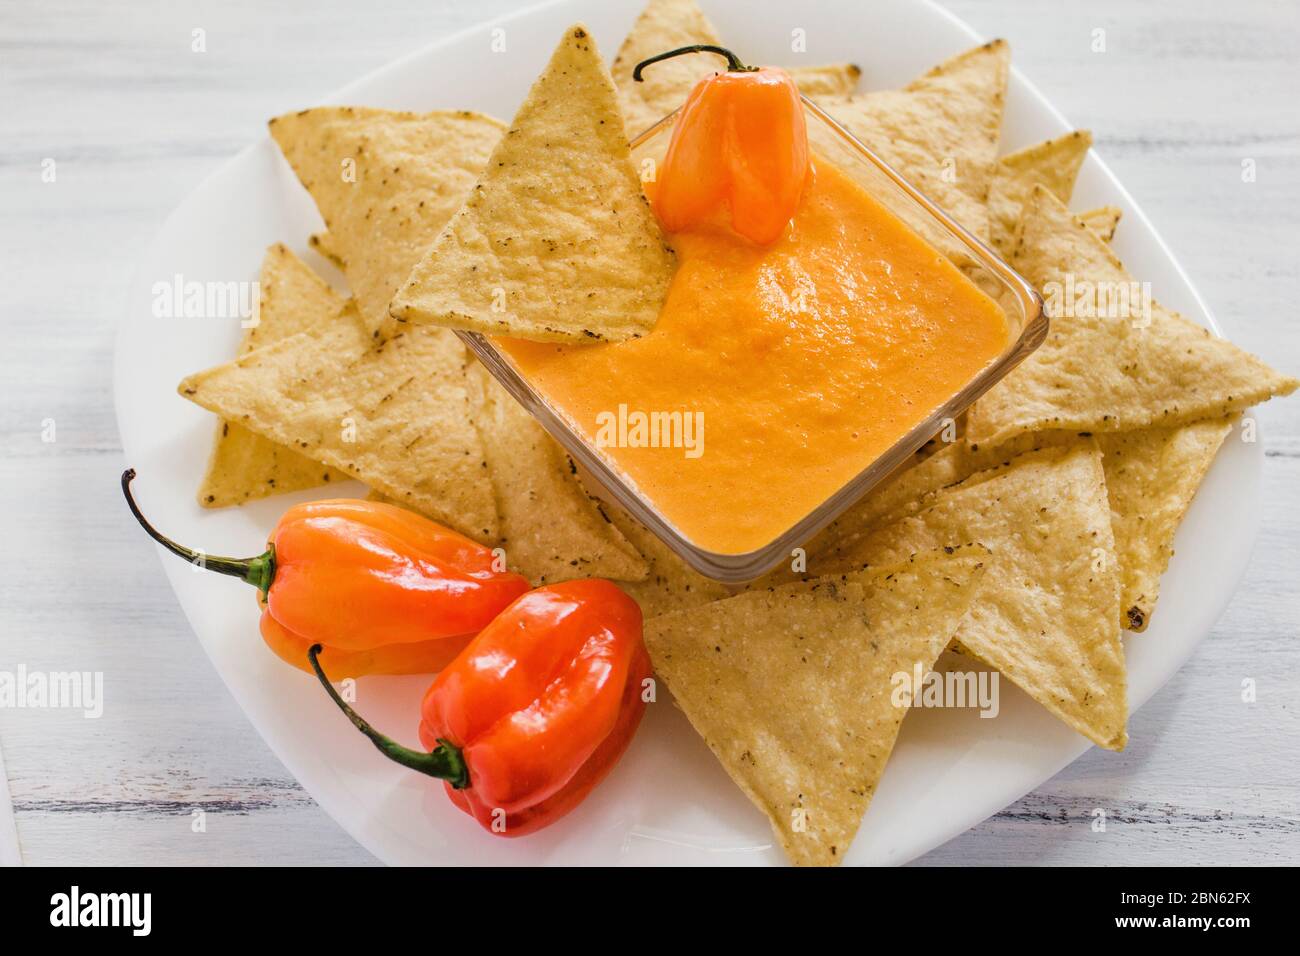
(305,766)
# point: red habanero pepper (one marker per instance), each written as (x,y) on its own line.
(375,584)
(739,143)
(535,711)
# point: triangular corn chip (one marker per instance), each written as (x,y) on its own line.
(940,131)
(1103,220)
(244,465)
(385,183)
(1099,373)
(293,299)
(832,80)
(1151,477)
(662,26)
(1054,164)
(669,24)
(557,242)
(324,245)
(551,528)
(1152,474)
(528,497)
(1049,617)
(977,80)
(793,688)
(395,416)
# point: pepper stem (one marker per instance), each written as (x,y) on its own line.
(258,571)
(446,762)
(734,63)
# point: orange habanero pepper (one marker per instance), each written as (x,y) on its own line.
(537,709)
(417,657)
(741,143)
(385,590)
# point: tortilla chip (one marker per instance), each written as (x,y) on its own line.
(1053,164)
(977,79)
(1048,618)
(669,24)
(395,416)
(557,242)
(670,583)
(385,183)
(793,688)
(324,245)
(1152,476)
(294,299)
(1103,221)
(662,26)
(551,528)
(940,131)
(1097,374)
(830,80)
(245,466)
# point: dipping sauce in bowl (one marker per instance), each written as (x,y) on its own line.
(775,373)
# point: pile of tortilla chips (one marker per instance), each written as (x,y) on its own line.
(1030,542)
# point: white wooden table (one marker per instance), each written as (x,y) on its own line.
(133,119)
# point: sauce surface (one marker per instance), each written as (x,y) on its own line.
(803,360)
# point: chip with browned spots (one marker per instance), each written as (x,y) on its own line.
(244,465)
(793,688)
(557,241)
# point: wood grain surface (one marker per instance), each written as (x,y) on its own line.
(134,120)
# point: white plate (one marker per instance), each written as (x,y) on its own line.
(668,801)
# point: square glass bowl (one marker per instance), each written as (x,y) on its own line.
(1022,305)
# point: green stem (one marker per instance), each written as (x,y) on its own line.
(444,762)
(258,571)
(734,63)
